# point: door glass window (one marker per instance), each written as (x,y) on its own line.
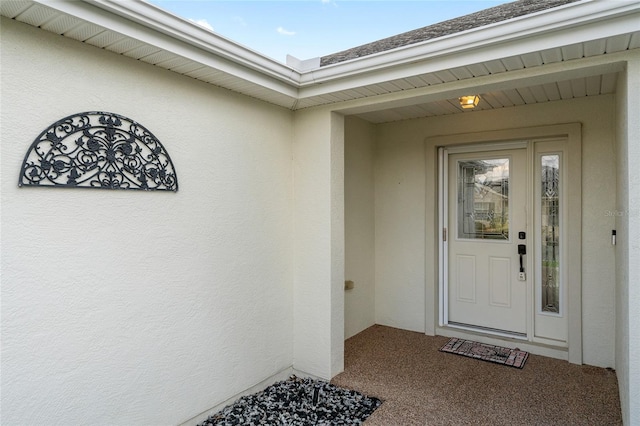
(550,238)
(483,199)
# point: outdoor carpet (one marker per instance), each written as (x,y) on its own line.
(498,354)
(297,402)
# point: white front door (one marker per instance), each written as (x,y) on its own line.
(487,221)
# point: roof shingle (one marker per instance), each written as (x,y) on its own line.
(479,19)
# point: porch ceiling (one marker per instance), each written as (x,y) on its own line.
(600,84)
(144,32)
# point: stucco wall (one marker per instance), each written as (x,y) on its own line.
(400,205)
(633,236)
(359,312)
(132,307)
(318,279)
(628,247)
(622,246)
(404,261)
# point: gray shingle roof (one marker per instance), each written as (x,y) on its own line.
(484,17)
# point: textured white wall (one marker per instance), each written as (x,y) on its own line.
(336,313)
(633,236)
(400,227)
(318,242)
(359,153)
(628,247)
(131,307)
(622,246)
(402,200)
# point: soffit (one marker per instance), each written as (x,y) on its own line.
(531,60)
(186,49)
(563,73)
(600,84)
(181,47)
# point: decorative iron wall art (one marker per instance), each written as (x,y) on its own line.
(98,150)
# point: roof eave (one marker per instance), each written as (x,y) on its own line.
(148,23)
(543,30)
(555,27)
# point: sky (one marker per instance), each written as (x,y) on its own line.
(307,29)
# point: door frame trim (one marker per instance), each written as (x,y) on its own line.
(443,246)
(572,133)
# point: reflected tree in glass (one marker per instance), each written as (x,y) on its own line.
(483,199)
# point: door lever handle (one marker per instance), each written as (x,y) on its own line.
(522,250)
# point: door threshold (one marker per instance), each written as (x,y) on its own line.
(488,330)
(503,339)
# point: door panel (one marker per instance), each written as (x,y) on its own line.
(466,278)
(500,281)
(487,208)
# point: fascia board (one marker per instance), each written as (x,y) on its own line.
(565,25)
(161,20)
(149,24)
(580,68)
(556,27)
(448,58)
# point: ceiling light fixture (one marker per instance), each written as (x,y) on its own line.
(469,102)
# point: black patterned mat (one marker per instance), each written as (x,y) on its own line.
(497,354)
(297,402)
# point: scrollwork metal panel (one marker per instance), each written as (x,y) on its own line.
(98,150)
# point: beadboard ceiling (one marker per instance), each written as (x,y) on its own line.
(561,90)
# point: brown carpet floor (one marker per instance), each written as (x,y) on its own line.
(422,386)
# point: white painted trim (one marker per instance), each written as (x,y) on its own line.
(486,147)
(302,65)
(443,246)
(573,134)
(149,24)
(443,214)
(443,197)
(572,16)
(509,38)
(560,26)
(530,240)
(156,18)
(488,332)
(551,73)
(510,342)
(494,136)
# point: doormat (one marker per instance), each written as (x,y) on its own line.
(498,354)
(298,402)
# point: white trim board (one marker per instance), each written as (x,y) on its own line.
(573,134)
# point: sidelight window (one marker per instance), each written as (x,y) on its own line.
(550,233)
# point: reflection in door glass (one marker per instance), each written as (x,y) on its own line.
(550,219)
(483,199)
